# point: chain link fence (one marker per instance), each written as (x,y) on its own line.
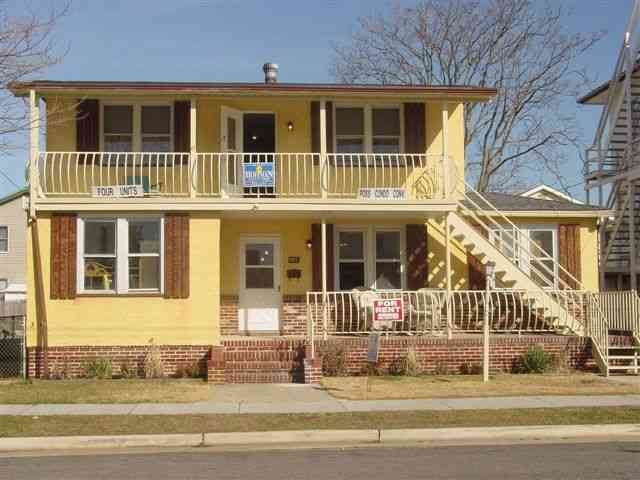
(12,339)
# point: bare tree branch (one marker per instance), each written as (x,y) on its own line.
(521,47)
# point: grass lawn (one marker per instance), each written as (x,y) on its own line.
(451,386)
(13,426)
(104,391)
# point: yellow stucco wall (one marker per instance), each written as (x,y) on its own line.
(129,320)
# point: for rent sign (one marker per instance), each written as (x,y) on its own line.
(387,311)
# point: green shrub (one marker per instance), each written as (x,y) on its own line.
(334,360)
(406,365)
(99,368)
(534,360)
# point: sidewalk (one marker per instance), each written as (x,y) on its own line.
(307,399)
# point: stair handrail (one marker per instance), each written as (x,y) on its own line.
(627,57)
(516,245)
(598,330)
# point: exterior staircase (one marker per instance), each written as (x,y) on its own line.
(624,353)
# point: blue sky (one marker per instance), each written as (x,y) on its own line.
(229,40)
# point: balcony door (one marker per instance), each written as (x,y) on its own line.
(231,161)
(259,132)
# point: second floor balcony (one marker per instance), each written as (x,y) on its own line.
(232,175)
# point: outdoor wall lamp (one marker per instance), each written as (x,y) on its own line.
(309,244)
(290,126)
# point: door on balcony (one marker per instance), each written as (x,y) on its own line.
(259,139)
(260,298)
(231,160)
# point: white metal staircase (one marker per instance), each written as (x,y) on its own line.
(477,220)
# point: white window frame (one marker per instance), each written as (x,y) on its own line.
(4,252)
(368,125)
(121,255)
(137,135)
(369,253)
(522,258)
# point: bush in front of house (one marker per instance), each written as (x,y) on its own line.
(470,368)
(407,365)
(534,360)
(334,360)
(127,370)
(188,370)
(99,368)
(153,365)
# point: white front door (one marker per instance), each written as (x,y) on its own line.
(260,298)
(231,160)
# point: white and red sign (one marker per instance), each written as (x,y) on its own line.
(387,311)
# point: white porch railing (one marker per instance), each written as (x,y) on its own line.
(221,175)
(622,310)
(426,311)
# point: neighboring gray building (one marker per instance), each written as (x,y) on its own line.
(13,243)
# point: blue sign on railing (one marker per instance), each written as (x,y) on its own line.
(258,175)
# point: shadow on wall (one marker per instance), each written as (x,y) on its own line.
(437,255)
(40,301)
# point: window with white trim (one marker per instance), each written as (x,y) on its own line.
(4,239)
(536,254)
(137,128)
(372,257)
(368,129)
(120,255)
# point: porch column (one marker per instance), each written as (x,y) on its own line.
(34,130)
(447,239)
(193,147)
(323,237)
(323,155)
(633,247)
(446,162)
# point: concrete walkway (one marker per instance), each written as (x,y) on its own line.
(308,399)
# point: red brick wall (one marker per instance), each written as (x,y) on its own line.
(449,355)
(69,360)
(228,315)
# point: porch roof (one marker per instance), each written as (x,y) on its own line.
(461,92)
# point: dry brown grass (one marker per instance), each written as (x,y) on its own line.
(104,391)
(13,426)
(460,386)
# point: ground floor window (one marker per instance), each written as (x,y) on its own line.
(369,257)
(120,255)
(536,253)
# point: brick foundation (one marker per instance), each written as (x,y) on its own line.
(68,361)
(442,355)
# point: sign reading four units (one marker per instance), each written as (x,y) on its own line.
(387,311)
(118,191)
(382,194)
(258,175)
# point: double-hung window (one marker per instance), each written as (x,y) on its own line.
(369,258)
(4,239)
(368,129)
(137,128)
(120,255)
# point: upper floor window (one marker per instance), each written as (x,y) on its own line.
(137,128)
(368,129)
(4,239)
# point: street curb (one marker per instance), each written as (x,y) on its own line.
(310,437)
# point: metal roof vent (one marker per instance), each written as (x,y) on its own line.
(270,72)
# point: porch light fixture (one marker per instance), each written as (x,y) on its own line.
(290,126)
(309,244)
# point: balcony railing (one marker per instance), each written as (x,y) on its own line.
(249,175)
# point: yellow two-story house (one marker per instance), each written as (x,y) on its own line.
(245,225)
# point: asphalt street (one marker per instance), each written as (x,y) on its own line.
(609,461)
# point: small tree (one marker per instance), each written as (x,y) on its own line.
(521,47)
